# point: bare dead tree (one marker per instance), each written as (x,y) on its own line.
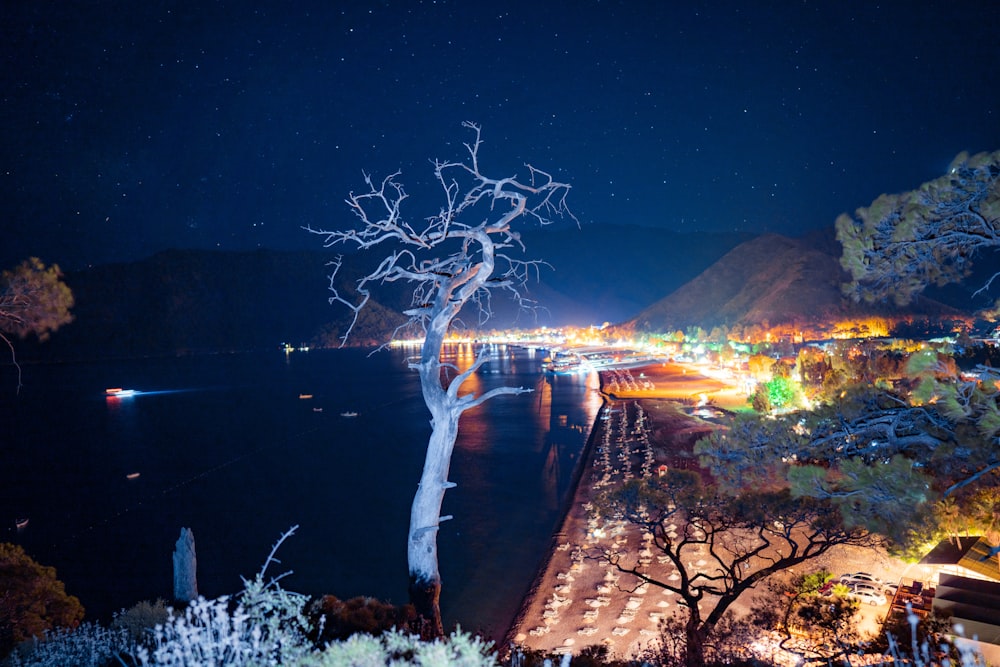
(455,257)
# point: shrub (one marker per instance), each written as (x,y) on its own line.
(399,649)
(263,625)
(213,632)
(140,619)
(336,619)
(89,645)
(32,599)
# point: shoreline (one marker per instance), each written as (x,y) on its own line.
(568,505)
(632,395)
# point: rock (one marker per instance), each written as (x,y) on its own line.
(185,568)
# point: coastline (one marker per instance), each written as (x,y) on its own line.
(640,414)
(569,504)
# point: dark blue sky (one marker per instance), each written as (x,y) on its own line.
(130,127)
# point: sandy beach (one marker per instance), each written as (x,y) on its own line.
(576,600)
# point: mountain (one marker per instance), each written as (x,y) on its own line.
(603,273)
(614,271)
(775,281)
(197,301)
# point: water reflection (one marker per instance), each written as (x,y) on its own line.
(566,430)
(516,455)
(543,421)
(232,452)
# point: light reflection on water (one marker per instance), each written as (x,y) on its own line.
(224,445)
(518,453)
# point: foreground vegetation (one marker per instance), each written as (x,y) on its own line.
(266,625)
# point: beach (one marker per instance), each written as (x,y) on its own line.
(652,415)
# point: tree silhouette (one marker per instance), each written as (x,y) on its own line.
(457,256)
(904,242)
(719,545)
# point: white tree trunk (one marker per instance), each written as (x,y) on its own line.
(451,258)
(425,519)
(425,513)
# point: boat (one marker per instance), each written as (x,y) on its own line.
(132,475)
(349,414)
(21,523)
(317,409)
(118,392)
(305,397)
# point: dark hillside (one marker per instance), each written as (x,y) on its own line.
(193,301)
(198,301)
(617,270)
(771,280)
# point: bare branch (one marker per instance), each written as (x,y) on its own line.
(458,256)
(13,360)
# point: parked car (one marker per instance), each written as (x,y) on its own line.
(867,593)
(866,578)
(860,577)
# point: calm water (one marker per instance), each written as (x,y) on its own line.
(224,445)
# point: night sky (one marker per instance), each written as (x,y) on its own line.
(131,127)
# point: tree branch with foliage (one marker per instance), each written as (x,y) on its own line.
(33,300)
(904,242)
(885,456)
(817,621)
(32,599)
(458,256)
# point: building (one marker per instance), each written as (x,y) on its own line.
(960,579)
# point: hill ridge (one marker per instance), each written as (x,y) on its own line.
(773,280)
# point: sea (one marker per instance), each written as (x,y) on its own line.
(242,448)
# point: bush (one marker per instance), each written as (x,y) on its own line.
(214,632)
(32,599)
(89,645)
(335,619)
(399,649)
(263,625)
(140,619)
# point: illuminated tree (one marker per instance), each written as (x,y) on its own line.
(781,391)
(760,366)
(32,599)
(985,514)
(813,366)
(817,627)
(760,400)
(885,457)
(902,243)
(33,300)
(720,545)
(949,517)
(459,255)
